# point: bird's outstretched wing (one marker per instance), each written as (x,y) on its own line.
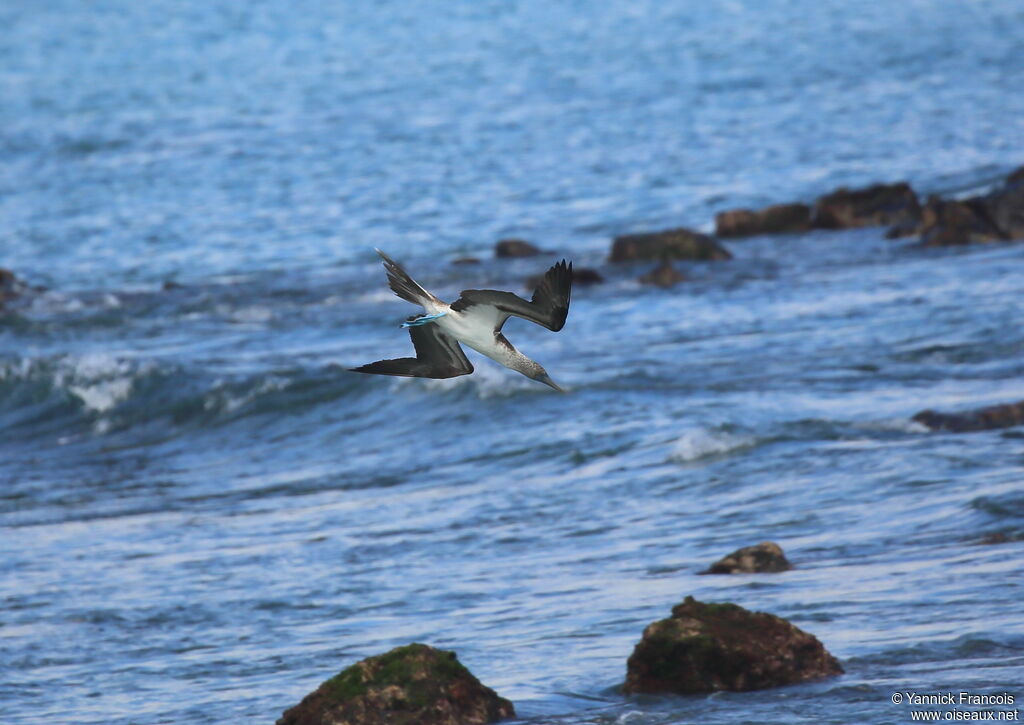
(549,305)
(437,356)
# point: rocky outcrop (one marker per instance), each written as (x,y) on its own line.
(994,416)
(1005,206)
(706,647)
(878,205)
(513,248)
(664,275)
(949,222)
(670,244)
(777,219)
(766,557)
(411,685)
(994,217)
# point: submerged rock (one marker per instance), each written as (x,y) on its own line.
(670,244)
(465,260)
(776,219)
(664,275)
(994,416)
(706,647)
(878,205)
(760,558)
(1000,537)
(10,286)
(411,685)
(510,248)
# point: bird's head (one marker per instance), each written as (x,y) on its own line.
(539,374)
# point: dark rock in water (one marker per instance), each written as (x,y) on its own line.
(1000,537)
(670,244)
(664,275)
(907,229)
(949,222)
(10,286)
(878,205)
(777,219)
(580,276)
(465,260)
(1005,206)
(994,217)
(586,275)
(995,416)
(411,685)
(764,557)
(509,248)
(706,647)
(170,285)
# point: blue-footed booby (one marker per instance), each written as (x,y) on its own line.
(475,319)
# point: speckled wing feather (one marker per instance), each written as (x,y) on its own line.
(437,356)
(549,305)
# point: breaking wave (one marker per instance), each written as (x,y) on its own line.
(100,393)
(698,443)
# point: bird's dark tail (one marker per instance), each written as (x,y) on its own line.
(403,285)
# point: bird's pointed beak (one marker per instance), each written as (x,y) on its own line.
(546,379)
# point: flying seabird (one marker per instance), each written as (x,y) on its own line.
(475,319)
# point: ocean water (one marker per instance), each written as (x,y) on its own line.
(203,514)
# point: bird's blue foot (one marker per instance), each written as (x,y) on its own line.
(417,320)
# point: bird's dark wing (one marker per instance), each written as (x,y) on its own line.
(549,305)
(437,356)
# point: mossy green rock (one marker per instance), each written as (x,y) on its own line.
(707,647)
(411,685)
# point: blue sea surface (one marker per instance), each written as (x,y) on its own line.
(203,514)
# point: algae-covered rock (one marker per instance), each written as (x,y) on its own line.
(411,685)
(706,647)
(764,557)
(670,244)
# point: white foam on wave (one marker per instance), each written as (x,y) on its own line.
(99,380)
(221,397)
(699,443)
(893,425)
(50,302)
(252,315)
(103,396)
